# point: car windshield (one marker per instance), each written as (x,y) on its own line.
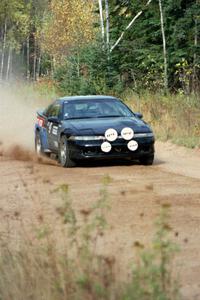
(95,108)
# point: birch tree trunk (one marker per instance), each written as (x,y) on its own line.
(195,54)
(23,53)
(102,23)
(9,63)
(34,58)
(27,58)
(38,67)
(107,26)
(3,50)
(164,47)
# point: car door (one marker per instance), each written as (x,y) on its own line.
(53,115)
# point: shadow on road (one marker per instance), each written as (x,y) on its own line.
(114,163)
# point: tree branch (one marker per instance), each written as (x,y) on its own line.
(128,26)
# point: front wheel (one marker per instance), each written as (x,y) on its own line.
(64,156)
(147,160)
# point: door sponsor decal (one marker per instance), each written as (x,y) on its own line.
(55,130)
(49,126)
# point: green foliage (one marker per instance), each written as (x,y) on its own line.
(137,62)
(87,71)
(139,54)
(13,16)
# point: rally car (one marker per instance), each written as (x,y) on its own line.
(93,128)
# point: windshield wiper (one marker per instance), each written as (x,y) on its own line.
(111,116)
(77,118)
(94,117)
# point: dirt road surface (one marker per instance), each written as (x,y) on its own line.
(136,195)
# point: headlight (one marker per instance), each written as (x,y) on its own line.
(87,138)
(140,135)
(148,134)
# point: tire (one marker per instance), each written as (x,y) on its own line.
(147,160)
(38,144)
(64,155)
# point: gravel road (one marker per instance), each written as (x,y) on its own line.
(136,194)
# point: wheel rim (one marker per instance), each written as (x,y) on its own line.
(38,146)
(63,153)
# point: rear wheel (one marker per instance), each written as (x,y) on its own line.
(64,155)
(147,160)
(38,144)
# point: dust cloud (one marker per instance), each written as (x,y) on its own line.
(18,106)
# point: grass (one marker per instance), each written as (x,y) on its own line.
(173,117)
(41,269)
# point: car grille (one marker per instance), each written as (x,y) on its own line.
(122,149)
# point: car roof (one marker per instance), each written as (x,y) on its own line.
(89,97)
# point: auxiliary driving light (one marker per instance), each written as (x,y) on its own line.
(127,133)
(106,147)
(111,134)
(132,145)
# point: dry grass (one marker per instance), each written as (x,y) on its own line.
(173,117)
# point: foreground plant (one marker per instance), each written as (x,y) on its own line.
(152,277)
(77,269)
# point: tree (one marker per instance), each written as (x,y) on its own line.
(13,21)
(128,26)
(68,24)
(164,46)
(143,42)
(107,26)
(102,23)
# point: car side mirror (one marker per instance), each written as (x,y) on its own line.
(54,120)
(139,115)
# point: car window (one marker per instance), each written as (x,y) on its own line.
(53,110)
(120,108)
(95,109)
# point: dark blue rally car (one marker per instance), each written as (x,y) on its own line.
(93,127)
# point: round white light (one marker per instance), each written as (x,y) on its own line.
(106,147)
(111,134)
(132,145)
(127,133)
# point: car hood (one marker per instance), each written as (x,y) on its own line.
(98,126)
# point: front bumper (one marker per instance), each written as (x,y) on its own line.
(80,150)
